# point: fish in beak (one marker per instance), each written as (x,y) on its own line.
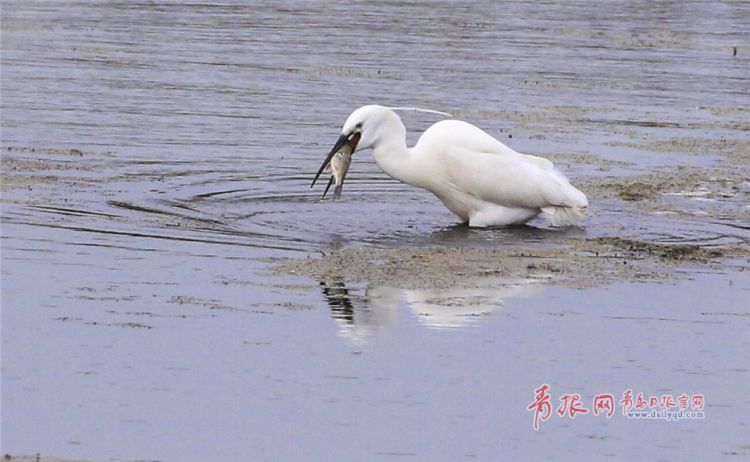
(346,144)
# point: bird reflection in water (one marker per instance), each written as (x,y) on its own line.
(361,311)
(337,296)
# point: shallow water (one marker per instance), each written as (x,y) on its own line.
(140,320)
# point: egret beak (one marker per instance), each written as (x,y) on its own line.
(330,182)
(352,139)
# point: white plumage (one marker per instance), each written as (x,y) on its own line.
(482,181)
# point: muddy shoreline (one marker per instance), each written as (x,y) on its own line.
(37,458)
(574,263)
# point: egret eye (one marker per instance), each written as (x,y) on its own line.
(359,125)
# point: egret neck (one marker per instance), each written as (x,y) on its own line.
(393,156)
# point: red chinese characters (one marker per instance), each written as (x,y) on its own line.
(571,404)
(605,402)
(667,402)
(669,407)
(541,405)
(640,403)
(627,400)
(683,401)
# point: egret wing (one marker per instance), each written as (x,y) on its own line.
(470,137)
(510,180)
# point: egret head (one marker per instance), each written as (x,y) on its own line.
(366,125)
(361,130)
(370,125)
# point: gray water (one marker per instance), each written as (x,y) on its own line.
(141,321)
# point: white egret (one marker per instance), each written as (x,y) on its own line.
(478,178)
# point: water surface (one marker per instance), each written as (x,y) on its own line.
(142,321)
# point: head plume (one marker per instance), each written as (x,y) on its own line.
(418,109)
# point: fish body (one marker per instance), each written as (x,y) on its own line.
(339,166)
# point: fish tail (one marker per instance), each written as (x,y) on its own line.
(337,191)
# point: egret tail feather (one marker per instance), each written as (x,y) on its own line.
(564,216)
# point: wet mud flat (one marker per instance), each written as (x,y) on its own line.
(35,458)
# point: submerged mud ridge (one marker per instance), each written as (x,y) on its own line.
(575,262)
(35,458)
(720,190)
(25,167)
